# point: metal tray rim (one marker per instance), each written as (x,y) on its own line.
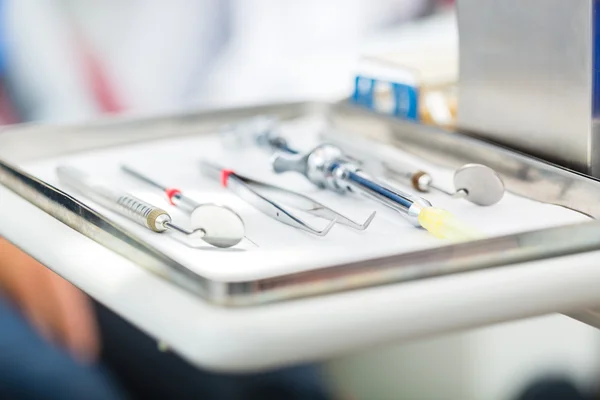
(449,259)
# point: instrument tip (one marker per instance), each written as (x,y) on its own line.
(251,241)
(327,228)
(445,225)
(366,224)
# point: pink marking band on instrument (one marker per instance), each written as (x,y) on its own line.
(225,174)
(171,192)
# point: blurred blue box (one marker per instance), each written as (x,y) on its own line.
(387,97)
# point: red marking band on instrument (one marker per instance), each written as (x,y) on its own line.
(172,193)
(225,174)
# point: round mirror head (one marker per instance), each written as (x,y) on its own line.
(483,185)
(222,226)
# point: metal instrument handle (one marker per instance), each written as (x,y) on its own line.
(143,213)
(328,167)
(210,170)
(290,162)
(175,196)
(125,204)
(377,164)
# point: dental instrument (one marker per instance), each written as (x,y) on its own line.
(212,223)
(477,183)
(250,190)
(328,167)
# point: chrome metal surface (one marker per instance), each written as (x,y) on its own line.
(98,228)
(269,199)
(423,181)
(409,208)
(327,166)
(460,194)
(221,226)
(527,77)
(464,257)
(177,198)
(214,224)
(272,209)
(114,132)
(368,157)
(127,205)
(314,165)
(184,234)
(521,174)
(242,188)
(141,177)
(163,221)
(479,184)
(470,256)
(476,183)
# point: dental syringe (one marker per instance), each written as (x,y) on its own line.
(328,167)
(476,183)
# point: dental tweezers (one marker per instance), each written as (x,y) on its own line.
(248,189)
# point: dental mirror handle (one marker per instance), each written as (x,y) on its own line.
(289,162)
(174,196)
(124,204)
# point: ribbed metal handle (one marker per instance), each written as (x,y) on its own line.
(141,212)
(125,204)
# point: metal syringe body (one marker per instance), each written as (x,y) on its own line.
(264,133)
(327,167)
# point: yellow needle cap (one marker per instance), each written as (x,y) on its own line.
(445,225)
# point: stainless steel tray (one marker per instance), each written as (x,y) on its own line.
(523,175)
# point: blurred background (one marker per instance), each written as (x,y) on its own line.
(70,60)
(76,60)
